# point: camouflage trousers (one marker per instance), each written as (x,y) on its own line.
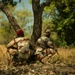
(15,56)
(43,53)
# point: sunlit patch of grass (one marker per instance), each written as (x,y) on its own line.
(3,56)
(65,55)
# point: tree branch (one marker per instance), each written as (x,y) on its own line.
(47,3)
(10,17)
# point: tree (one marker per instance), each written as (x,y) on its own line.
(66,18)
(38,11)
(63,18)
(62,13)
(10,17)
(6,28)
(6,2)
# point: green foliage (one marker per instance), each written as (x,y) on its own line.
(60,14)
(23,18)
(50,8)
(5,32)
(12,2)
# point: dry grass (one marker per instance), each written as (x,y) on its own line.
(3,55)
(65,55)
(68,56)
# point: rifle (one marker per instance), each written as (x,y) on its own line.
(56,51)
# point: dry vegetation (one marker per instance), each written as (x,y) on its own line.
(3,55)
(65,55)
(64,64)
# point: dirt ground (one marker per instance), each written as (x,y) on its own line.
(62,64)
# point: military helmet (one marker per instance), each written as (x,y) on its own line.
(47,32)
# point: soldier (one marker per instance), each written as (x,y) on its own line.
(44,46)
(20,48)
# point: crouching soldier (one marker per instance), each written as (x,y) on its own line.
(19,49)
(44,47)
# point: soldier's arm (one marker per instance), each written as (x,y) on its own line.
(50,44)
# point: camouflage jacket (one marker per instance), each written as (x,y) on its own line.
(22,46)
(44,42)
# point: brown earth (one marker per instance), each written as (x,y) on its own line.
(63,64)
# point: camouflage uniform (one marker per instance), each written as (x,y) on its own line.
(44,46)
(19,47)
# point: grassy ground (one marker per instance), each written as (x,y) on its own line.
(65,55)
(3,55)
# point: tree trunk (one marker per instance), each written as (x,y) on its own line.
(37,21)
(10,17)
(37,11)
